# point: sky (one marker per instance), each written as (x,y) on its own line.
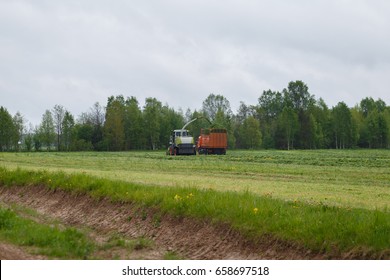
(75,53)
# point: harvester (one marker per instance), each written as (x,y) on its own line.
(210,141)
(181,142)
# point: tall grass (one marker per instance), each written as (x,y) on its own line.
(318,227)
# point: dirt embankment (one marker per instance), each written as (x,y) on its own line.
(188,238)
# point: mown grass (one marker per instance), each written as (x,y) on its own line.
(44,239)
(317,226)
(350,178)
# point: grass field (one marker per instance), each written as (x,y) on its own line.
(355,179)
(320,199)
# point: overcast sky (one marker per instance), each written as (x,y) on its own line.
(76,53)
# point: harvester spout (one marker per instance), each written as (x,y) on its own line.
(191,121)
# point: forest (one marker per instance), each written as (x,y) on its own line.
(288,119)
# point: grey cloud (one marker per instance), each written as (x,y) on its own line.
(77,52)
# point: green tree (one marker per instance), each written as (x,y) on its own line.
(18,131)
(47,130)
(383,130)
(133,124)
(114,130)
(29,139)
(361,132)
(225,121)
(96,120)
(217,109)
(343,127)
(58,114)
(288,125)
(89,127)
(297,97)
(250,133)
(243,113)
(37,139)
(373,124)
(320,115)
(67,131)
(83,132)
(7,129)
(377,129)
(270,106)
(386,114)
(214,104)
(367,105)
(170,120)
(152,121)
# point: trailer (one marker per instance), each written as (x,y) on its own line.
(212,141)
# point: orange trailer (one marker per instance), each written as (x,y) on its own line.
(212,141)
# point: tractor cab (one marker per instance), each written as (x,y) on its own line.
(181,143)
(180,133)
(177,133)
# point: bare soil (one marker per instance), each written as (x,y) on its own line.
(12,252)
(185,237)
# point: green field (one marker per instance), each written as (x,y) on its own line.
(350,179)
(326,200)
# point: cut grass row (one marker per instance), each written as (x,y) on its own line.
(324,229)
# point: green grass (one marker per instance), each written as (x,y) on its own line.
(41,235)
(172,256)
(325,200)
(316,226)
(349,179)
(130,244)
(46,240)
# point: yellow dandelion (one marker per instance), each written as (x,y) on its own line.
(255,210)
(177,197)
(190,195)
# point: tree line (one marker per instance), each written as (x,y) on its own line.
(287,119)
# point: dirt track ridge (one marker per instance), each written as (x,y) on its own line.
(192,239)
